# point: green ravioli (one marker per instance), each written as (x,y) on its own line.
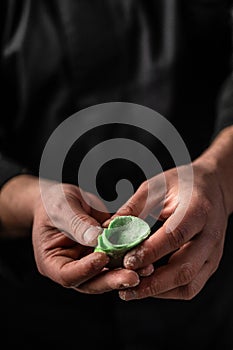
(122,234)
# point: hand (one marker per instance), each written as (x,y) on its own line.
(195,244)
(63,242)
(62,238)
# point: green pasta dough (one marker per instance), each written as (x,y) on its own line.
(122,234)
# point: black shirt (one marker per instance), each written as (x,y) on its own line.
(58,57)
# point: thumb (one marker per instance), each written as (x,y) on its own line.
(72,216)
(83,228)
(132,207)
(146,200)
(80,227)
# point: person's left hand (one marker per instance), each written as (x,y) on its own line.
(195,244)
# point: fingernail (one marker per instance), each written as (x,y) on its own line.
(106,223)
(122,295)
(128,295)
(131,262)
(131,284)
(91,234)
(146,271)
(136,283)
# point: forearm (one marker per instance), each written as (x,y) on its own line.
(17,201)
(219,156)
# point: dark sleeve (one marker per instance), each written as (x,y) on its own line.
(225,98)
(9,169)
(225,106)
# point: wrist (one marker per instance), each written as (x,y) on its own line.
(218,158)
(17,202)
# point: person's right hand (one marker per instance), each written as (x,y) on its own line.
(64,232)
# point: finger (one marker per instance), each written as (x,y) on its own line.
(186,292)
(149,195)
(71,273)
(164,241)
(182,268)
(110,280)
(83,228)
(190,290)
(72,216)
(98,209)
(134,206)
(214,241)
(146,271)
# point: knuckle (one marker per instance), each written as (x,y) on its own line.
(74,224)
(150,251)
(200,213)
(144,187)
(77,221)
(216,235)
(61,278)
(189,291)
(178,236)
(55,208)
(131,208)
(63,282)
(185,274)
(206,207)
(154,288)
(203,207)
